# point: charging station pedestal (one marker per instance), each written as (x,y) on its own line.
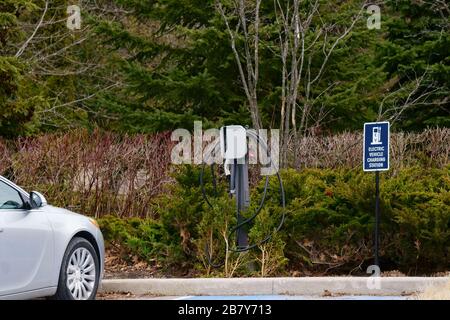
(233,145)
(242,194)
(234,152)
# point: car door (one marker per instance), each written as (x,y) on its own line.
(26,244)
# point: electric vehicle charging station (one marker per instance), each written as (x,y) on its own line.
(234,149)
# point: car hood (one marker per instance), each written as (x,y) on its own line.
(53,209)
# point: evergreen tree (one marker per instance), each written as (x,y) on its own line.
(416,57)
(149,66)
(16,104)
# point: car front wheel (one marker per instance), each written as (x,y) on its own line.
(79,274)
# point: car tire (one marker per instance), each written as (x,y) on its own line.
(79,275)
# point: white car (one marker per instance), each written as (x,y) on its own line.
(46,251)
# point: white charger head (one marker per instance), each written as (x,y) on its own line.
(233,142)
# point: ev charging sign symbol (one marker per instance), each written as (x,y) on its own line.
(376,146)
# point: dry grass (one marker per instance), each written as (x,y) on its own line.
(430,147)
(95,173)
(436,293)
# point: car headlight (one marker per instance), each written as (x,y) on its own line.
(94,222)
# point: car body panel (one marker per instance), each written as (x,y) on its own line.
(32,247)
(33,294)
(66,225)
(26,251)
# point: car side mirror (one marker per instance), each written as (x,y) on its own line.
(37,200)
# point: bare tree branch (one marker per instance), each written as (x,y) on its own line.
(249,79)
(24,46)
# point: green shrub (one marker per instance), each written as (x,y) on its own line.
(145,238)
(418,204)
(328,228)
(180,210)
(331,218)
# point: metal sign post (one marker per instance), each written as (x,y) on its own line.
(377,218)
(376,158)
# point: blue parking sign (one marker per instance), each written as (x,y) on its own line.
(376,146)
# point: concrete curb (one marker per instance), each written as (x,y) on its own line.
(274,286)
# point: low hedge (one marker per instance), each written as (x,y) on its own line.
(328,228)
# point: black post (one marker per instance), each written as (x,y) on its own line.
(242,200)
(377,217)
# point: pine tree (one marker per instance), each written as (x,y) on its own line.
(416,58)
(16,106)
